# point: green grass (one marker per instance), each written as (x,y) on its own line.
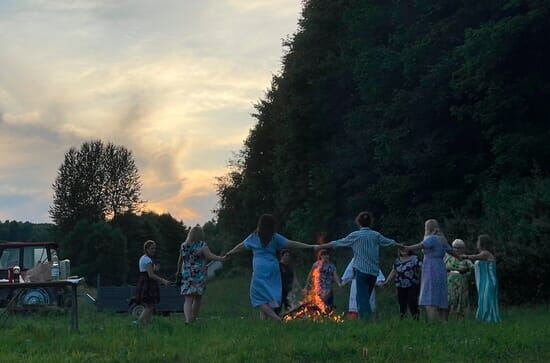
(230,331)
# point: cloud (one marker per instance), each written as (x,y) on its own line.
(173,81)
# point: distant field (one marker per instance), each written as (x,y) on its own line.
(230,331)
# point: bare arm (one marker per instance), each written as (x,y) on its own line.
(180,261)
(337,278)
(238,248)
(209,255)
(390,277)
(454,254)
(154,276)
(415,247)
(295,244)
(483,255)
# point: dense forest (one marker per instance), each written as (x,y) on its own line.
(412,110)
(26,231)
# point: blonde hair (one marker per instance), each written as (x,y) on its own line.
(433,228)
(195,235)
(146,245)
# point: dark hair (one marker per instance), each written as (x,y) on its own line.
(409,252)
(364,219)
(486,243)
(323,252)
(266,228)
(284,252)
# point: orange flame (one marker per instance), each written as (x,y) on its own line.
(312,306)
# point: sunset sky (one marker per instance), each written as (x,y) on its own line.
(174,81)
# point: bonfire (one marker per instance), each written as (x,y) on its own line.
(312,307)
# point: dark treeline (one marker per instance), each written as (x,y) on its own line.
(112,248)
(26,231)
(413,110)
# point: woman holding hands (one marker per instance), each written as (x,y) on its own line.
(265,286)
(194,254)
(486,280)
(433,286)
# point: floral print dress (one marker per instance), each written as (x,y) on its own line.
(458,276)
(194,269)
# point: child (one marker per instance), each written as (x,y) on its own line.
(192,264)
(322,276)
(486,280)
(406,270)
(348,276)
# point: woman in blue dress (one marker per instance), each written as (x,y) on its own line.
(266,286)
(486,280)
(433,285)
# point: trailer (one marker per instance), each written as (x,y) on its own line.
(121,299)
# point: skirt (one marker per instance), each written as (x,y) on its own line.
(147,290)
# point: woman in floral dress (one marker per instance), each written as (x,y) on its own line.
(192,264)
(458,276)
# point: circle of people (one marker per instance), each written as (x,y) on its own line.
(438,283)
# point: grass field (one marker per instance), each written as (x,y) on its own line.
(230,331)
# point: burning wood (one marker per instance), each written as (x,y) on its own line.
(313,307)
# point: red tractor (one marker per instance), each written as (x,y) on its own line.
(27,255)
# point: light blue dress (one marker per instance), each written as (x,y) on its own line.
(266,286)
(433,286)
(487,291)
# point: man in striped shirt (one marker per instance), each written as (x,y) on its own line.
(366,252)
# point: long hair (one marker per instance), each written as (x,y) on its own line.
(195,235)
(266,228)
(433,228)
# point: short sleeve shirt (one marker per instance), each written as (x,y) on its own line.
(406,272)
(143,262)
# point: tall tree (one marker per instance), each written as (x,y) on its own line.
(96,182)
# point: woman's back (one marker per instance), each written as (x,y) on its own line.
(435,247)
(268,252)
(193,258)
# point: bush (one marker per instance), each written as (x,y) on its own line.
(97,248)
(517,214)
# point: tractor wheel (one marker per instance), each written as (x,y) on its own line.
(136,309)
(35,297)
